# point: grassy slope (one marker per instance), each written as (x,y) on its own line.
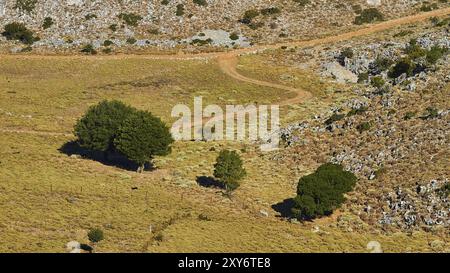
(48,198)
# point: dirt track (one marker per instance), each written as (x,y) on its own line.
(228,60)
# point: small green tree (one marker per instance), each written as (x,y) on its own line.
(229,170)
(143,136)
(322,192)
(95,235)
(97,129)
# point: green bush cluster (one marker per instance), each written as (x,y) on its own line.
(130,19)
(369,15)
(234,36)
(48,22)
(365,126)
(302,3)
(270,11)
(95,235)
(322,192)
(357,111)
(201,42)
(19,32)
(180,10)
(89,49)
(26,5)
(335,117)
(377,82)
(113,126)
(200,2)
(403,66)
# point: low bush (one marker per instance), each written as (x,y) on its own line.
(200,2)
(270,11)
(435,53)
(107,43)
(26,5)
(249,15)
(48,22)
(369,15)
(363,77)
(19,32)
(409,115)
(357,111)
(180,10)
(302,3)
(335,117)
(404,66)
(95,235)
(365,126)
(130,19)
(89,49)
(234,36)
(377,82)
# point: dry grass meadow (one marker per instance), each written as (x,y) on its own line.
(48,198)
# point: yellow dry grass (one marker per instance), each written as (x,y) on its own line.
(48,198)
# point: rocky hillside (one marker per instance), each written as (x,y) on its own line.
(71,24)
(393,133)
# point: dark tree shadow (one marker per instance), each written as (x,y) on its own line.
(114,159)
(86,247)
(209,182)
(285,208)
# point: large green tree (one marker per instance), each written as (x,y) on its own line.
(229,170)
(143,136)
(323,191)
(97,129)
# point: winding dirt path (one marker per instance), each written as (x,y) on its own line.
(228,60)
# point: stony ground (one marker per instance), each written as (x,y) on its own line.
(394,136)
(163,24)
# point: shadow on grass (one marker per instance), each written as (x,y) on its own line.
(114,159)
(86,247)
(285,208)
(209,182)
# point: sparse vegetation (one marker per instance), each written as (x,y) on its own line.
(234,36)
(404,66)
(26,5)
(249,15)
(369,15)
(335,117)
(377,82)
(19,32)
(365,126)
(180,10)
(200,2)
(130,19)
(89,49)
(303,3)
(48,22)
(107,43)
(270,11)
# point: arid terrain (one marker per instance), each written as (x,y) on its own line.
(345,97)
